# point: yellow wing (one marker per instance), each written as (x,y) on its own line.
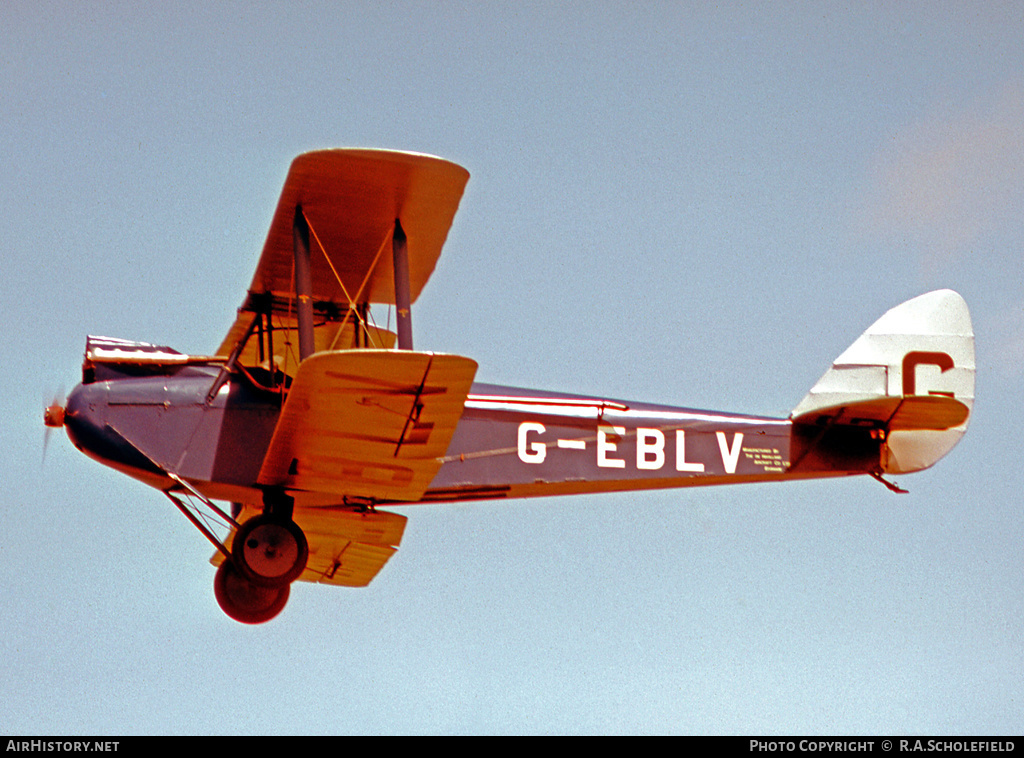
(367,423)
(351,198)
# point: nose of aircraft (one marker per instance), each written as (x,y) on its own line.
(80,417)
(89,429)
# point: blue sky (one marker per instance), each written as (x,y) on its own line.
(674,202)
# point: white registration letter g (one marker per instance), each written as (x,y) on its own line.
(533,452)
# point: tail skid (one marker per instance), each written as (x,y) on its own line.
(909,378)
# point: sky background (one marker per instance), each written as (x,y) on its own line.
(689,203)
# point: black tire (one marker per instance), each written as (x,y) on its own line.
(244,601)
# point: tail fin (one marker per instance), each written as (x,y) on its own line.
(910,376)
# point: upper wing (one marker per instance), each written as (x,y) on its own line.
(368,423)
(351,198)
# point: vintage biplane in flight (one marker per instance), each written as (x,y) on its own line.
(309,417)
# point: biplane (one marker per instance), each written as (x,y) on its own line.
(310,419)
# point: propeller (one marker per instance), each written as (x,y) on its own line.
(53,418)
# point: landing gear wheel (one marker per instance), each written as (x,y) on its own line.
(244,601)
(270,552)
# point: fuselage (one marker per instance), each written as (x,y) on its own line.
(509,442)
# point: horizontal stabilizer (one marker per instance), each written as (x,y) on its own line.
(910,375)
(894,413)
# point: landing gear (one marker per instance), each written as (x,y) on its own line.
(267,554)
(270,551)
(244,601)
